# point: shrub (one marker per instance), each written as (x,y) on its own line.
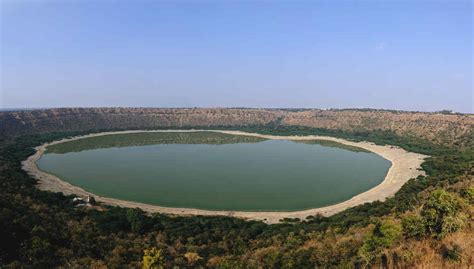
(453,223)
(153,259)
(384,235)
(413,226)
(441,213)
(468,194)
(452,252)
(192,258)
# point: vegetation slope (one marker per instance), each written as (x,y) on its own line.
(428,223)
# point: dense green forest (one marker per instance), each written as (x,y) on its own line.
(427,223)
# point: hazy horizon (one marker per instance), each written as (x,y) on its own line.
(230,107)
(414,56)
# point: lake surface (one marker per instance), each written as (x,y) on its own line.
(216,171)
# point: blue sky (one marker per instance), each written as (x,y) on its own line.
(410,55)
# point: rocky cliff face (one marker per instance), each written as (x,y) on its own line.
(435,127)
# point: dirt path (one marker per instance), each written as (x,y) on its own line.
(405,165)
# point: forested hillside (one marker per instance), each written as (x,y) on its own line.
(427,224)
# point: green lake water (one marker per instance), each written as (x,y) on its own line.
(216,171)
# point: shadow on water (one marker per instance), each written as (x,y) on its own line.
(148,138)
(332,144)
(144,139)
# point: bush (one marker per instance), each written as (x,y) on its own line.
(153,259)
(384,235)
(441,213)
(452,252)
(468,194)
(413,226)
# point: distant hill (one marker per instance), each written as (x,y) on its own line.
(436,127)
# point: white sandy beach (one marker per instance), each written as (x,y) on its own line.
(405,165)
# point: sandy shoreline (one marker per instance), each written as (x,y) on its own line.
(405,165)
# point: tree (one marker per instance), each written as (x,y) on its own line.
(153,259)
(137,219)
